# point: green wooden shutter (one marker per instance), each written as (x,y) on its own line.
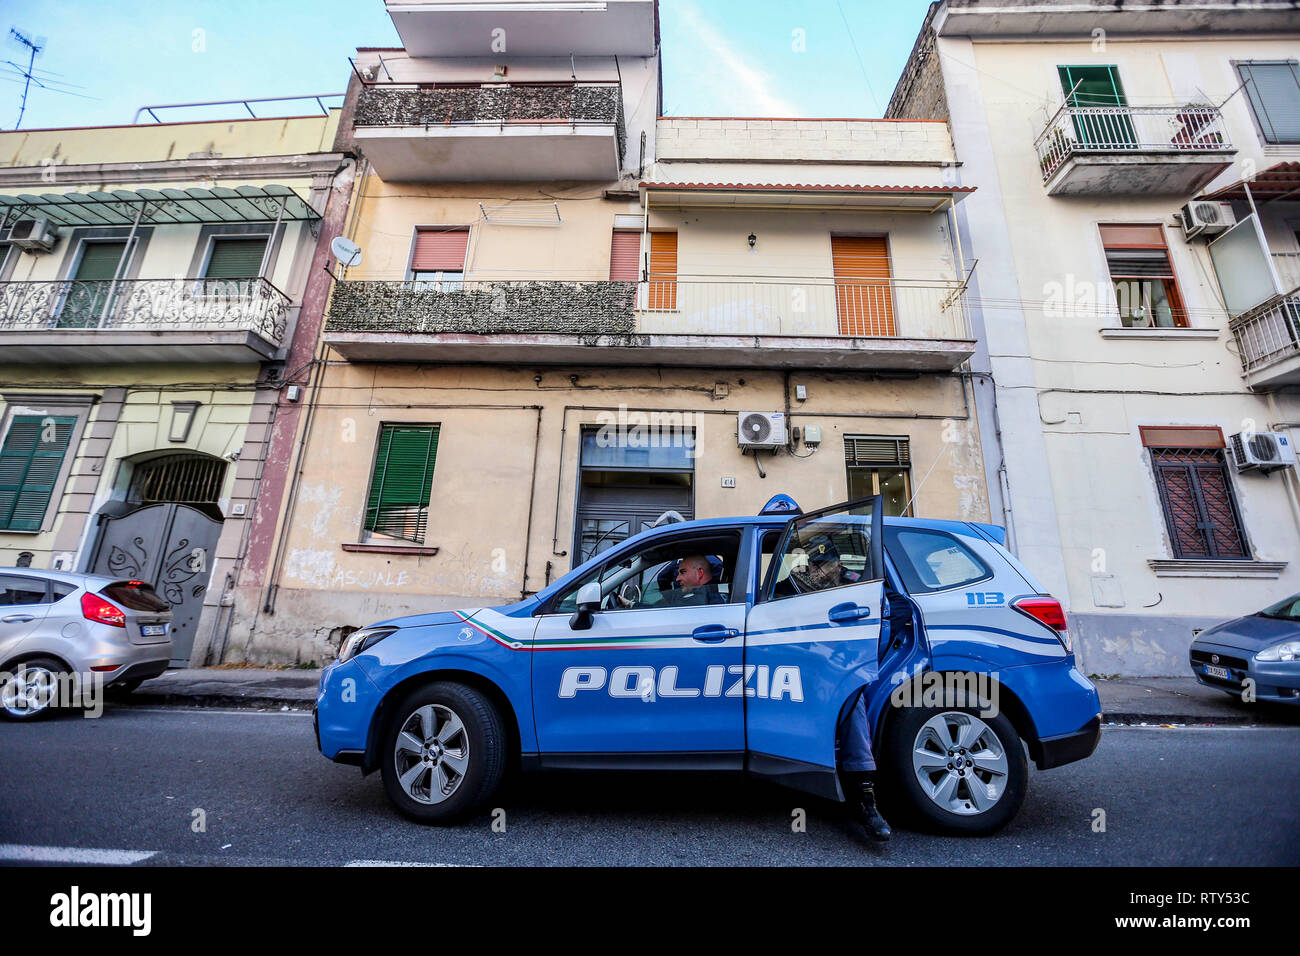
(87,295)
(236,258)
(30,461)
(99,260)
(1098,86)
(398,504)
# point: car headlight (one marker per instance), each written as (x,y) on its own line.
(358,641)
(1286,651)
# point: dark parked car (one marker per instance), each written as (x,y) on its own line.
(1264,647)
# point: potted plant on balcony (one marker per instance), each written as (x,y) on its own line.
(1058,147)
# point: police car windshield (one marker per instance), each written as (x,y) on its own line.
(1288,610)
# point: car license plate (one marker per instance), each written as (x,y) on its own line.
(1220,672)
(153,630)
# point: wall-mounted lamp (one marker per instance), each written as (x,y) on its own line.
(182,419)
(753,240)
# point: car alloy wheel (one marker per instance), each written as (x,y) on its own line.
(29,691)
(960,763)
(431,755)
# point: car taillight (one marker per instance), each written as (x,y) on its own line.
(95,608)
(1047,611)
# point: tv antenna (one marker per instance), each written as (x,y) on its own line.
(27,74)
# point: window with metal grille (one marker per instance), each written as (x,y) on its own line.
(31,459)
(1199,506)
(1274,93)
(183,479)
(398,503)
(880,465)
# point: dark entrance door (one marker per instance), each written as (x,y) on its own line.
(172,547)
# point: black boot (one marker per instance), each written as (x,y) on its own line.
(860,792)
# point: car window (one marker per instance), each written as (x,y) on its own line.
(1288,610)
(61,589)
(933,560)
(16,591)
(831,551)
(677,572)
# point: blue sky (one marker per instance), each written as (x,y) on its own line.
(720,57)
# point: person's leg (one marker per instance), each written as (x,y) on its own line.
(858,770)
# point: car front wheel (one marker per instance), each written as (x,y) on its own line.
(959,772)
(444,753)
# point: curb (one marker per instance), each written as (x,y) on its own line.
(231,701)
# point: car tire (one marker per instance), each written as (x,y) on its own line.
(444,753)
(30,691)
(930,768)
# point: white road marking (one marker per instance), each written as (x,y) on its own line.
(71,854)
(1156,726)
(393,863)
(226,711)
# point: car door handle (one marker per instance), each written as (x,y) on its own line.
(847,613)
(17,619)
(712,633)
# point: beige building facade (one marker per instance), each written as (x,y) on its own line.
(574,318)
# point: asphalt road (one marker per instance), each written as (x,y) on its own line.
(131,781)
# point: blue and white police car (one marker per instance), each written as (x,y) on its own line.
(733,644)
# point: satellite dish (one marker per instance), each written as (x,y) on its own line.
(347,252)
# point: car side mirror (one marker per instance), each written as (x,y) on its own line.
(589,598)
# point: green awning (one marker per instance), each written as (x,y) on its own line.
(160,206)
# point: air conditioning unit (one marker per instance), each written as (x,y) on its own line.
(1208,218)
(34,235)
(1263,451)
(761,429)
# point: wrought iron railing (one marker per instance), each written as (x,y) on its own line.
(1089,129)
(1270,332)
(687,305)
(180,304)
(571,104)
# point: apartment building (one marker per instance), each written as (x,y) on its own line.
(1135,227)
(574,318)
(151,288)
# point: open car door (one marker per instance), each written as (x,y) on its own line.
(811,641)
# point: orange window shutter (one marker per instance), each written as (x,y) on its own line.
(663,271)
(440,250)
(864,298)
(624,256)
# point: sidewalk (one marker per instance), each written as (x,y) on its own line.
(1129,700)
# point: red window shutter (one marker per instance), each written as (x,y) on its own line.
(624,256)
(440,250)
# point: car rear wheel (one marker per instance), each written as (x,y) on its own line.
(30,690)
(959,772)
(444,753)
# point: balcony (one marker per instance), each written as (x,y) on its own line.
(532,27)
(74,322)
(1268,340)
(897,324)
(494,133)
(1132,150)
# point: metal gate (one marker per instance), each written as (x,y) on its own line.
(172,547)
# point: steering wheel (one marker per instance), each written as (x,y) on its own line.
(630,593)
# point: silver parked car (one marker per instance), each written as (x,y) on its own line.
(56,623)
